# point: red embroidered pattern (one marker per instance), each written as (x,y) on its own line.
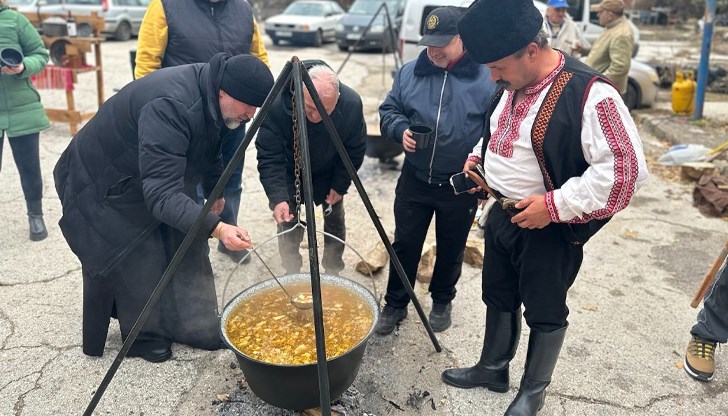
(551,207)
(538,131)
(510,119)
(626,168)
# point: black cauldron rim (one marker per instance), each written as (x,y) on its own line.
(365,294)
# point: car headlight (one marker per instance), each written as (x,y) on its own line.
(652,75)
(339,27)
(377,29)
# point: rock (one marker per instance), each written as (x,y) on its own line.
(376,259)
(427,263)
(474,251)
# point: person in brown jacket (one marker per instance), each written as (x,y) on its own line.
(611,53)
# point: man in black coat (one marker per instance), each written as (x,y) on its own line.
(330,179)
(127,183)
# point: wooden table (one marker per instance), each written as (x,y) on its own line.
(69,75)
(70,114)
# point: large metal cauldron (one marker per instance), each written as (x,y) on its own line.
(296,387)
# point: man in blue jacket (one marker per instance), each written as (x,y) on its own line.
(127,183)
(447,91)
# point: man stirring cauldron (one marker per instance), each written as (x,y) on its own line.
(127,183)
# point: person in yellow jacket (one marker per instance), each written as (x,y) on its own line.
(178,32)
(611,53)
(166,37)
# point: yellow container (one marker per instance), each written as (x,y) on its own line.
(683,92)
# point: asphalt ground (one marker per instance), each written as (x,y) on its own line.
(629,323)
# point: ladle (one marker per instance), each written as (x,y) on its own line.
(301,301)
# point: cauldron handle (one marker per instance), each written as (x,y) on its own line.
(299,224)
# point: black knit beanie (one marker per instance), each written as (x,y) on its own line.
(247,79)
(494,29)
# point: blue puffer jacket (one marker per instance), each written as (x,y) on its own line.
(453,101)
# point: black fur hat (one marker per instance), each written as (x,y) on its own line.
(494,29)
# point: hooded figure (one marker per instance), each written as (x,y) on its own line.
(127,185)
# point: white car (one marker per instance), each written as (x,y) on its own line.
(309,22)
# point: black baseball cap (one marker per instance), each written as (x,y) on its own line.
(441,26)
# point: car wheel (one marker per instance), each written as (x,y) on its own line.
(318,39)
(84,30)
(123,31)
(276,41)
(632,96)
(343,48)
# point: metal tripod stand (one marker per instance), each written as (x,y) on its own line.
(296,70)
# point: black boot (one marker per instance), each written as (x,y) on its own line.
(502,332)
(543,352)
(35,220)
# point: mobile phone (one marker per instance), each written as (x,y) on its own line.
(461,183)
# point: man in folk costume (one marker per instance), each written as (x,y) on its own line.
(562,143)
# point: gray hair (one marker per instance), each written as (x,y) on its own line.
(326,75)
(541,40)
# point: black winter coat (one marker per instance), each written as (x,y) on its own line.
(275,148)
(137,163)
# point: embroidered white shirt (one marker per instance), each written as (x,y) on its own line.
(610,143)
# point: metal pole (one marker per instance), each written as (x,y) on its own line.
(318,313)
(702,80)
(363,34)
(392,39)
(370,208)
(189,238)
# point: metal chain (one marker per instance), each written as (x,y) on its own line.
(296,153)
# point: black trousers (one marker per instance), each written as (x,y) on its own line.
(414,205)
(289,244)
(26,156)
(531,267)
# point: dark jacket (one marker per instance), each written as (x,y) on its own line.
(137,162)
(275,148)
(453,102)
(229,29)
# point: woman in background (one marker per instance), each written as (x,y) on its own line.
(21,113)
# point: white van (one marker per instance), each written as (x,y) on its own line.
(416,11)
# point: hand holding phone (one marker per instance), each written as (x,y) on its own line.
(461,183)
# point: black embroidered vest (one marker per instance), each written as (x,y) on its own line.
(556,135)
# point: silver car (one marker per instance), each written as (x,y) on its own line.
(308,22)
(123,17)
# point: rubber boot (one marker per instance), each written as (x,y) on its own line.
(543,353)
(502,332)
(38,229)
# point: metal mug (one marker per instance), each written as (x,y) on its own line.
(11,57)
(422,134)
